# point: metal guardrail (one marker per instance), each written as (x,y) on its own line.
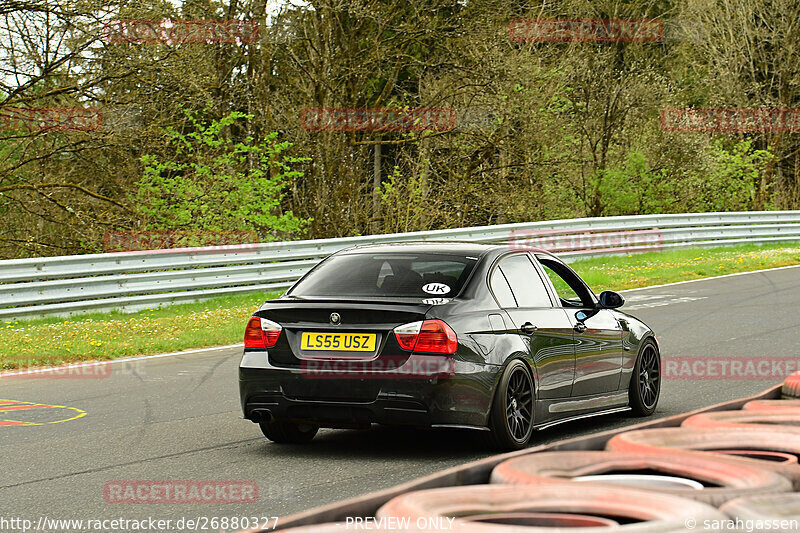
(135,280)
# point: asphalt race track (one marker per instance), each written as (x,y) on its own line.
(178,418)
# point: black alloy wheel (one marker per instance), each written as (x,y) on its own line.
(512,411)
(645,385)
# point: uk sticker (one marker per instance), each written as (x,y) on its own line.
(435,301)
(436,288)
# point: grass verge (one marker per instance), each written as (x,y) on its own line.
(55,341)
(221,321)
(656,268)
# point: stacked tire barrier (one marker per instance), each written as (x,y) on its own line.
(731,467)
(791,387)
(768,405)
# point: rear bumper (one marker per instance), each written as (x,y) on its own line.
(337,399)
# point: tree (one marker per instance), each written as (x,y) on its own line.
(218,184)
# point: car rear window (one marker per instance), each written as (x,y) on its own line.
(387,274)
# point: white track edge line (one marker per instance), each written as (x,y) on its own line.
(39,370)
(709,279)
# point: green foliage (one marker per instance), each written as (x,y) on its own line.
(635,188)
(213,182)
(402,202)
(727,181)
(731,179)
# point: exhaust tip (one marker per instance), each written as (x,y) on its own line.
(260,415)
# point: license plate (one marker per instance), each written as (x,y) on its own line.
(338,342)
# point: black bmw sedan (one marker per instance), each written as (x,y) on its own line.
(439,334)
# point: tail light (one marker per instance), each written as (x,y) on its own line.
(429,336)
(261,333)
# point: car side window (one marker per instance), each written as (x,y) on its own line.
(571,291)
(502,292)
(526,285)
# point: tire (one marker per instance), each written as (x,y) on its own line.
(773,405)
(764,455)
(634,510)
(774,507)
(511,418)
(645,386)
(781,420)
(283,432)
(675,442)
(791,387)
(723,479)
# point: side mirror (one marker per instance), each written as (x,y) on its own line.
(611,300)
(581,316)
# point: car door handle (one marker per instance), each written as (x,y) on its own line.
(580,327)
(528,328)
